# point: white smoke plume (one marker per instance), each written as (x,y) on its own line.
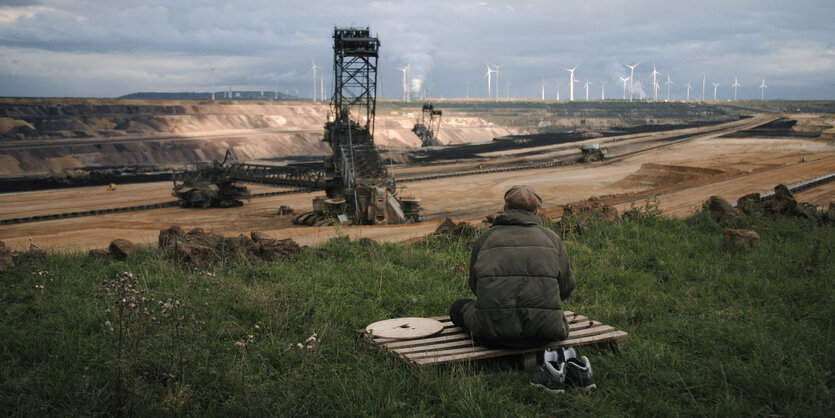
(406,47)
(616,71)
(421,63)
(637,90)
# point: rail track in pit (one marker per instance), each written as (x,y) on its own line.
(676,139)
(94,212)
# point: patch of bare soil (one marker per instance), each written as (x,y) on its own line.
(658,175)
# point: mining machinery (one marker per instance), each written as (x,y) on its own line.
(208,184)
(428,127)
(358,187)
(592,152)
(214,184)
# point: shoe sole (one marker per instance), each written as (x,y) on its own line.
(547,388)
(586,389)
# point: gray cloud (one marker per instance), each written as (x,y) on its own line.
(16,3)
(74,47)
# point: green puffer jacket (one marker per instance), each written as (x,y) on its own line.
(519,272)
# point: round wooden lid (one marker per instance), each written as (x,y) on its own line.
(405,328)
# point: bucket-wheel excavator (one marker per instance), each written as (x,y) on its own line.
(429,125)
(358,187)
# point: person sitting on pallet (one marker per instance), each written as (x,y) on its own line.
(519,273)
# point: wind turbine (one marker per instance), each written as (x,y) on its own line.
(631,78)
(704,77)
(762,90)
(468,88)
(654,83)
(314,67)
(602,90)
(715,86)
(571,83)
(405,88)
(588,83)
(558,91)
(543,90)
(688,90)
(497,81)
(668,86)
(489,78)
(735,85)
(624,86)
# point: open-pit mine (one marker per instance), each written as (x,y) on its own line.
(676,154)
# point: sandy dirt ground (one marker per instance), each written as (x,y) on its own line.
(682,176)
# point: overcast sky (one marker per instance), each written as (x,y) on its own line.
(110,48)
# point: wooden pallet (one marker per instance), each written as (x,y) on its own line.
(452,344)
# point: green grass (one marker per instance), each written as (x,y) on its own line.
(712,331)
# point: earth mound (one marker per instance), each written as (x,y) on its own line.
(203,249)
(659,175)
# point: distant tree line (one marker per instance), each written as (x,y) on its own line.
(220,95)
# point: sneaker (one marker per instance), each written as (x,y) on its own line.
(568,353)
(550,378)
(579,374)
(553,357)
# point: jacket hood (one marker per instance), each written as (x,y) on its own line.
(517,217)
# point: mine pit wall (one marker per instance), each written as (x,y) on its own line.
(168,153)
(89,133)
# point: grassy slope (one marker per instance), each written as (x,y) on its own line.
(711,331)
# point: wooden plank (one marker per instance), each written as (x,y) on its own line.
(426,341)
(455,351)
(481,354)
(472,355)
(436,347)
(460,354)
(440,345)
(459,348)
(452,335)
(581,325)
